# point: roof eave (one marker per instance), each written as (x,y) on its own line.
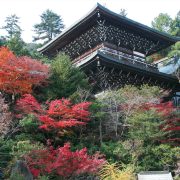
(174,39)
(69,29)
(92,58)
(106,11)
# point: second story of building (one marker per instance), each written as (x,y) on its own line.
(101,25)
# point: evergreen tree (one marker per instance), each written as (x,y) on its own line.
(175,26)
(175,50)
(12,27)
(162,23)
(65,78)
(2,41)
(32,49)
(18,46)
(14,41)
(50,26)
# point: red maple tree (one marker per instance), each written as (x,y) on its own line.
(63,162)
(59,113)
(19,74)
(28,104)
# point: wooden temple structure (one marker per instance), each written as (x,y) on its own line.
(112,50)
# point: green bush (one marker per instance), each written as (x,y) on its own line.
(24,147)
(114,151)
(30,129)
(158,158)
(145,125)
(5,152)
(65,78)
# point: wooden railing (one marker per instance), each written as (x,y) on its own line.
(127,58)
(131,58)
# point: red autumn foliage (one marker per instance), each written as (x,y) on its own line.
(165,109)
(63,162)
(59,113)
(19,74)
(171,119)
(28,105)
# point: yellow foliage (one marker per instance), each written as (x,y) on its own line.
(112,172)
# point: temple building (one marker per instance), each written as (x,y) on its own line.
(112,50)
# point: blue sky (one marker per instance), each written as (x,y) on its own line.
(29,11)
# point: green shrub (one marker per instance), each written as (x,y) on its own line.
(158,158)
(5,152)
(30,129)
(24,147)
(65,78)
(145,125)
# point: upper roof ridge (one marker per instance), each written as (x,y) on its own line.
(117,17)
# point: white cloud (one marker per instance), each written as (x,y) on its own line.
(29,12)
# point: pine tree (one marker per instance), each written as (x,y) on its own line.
(65,79)
(50,26)
(162,23)
(12,26)
(175,26)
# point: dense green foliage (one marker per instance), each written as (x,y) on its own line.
(5,152)
(144,126)
(2,41)
(175,50)
(164,23)
(65,79)
(17,45)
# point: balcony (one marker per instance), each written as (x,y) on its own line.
(128,58)
(119,54)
